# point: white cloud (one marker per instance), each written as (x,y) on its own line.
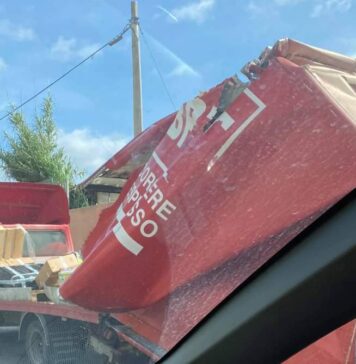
(3,64)
(87,150)
(87,50)
(197,11)
(67,49)
(16,32)
(168,13)
(183,69)
(180,67)
(327,6)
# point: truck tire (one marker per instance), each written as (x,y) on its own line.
(35,344)
(57,343)
(68,342)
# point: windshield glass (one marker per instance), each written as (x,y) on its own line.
(174,149)
(44,243)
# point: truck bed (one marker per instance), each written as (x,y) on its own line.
(49,308)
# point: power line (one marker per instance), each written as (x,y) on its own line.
(157,68)
(112,42)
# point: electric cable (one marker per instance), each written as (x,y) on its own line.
(112,42)
(157,68)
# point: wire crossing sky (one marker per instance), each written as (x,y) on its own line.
(112,42)
(188,46)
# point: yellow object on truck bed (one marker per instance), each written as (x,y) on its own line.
(50,271)
(11,242)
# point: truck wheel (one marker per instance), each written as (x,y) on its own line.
(35,344)
(55,343)
(68,342)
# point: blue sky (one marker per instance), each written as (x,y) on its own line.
(196,43)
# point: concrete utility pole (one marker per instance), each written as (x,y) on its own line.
(136,69)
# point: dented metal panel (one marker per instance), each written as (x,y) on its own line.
(241,170)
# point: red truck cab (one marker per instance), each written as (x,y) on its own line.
(45,240)
(42,211)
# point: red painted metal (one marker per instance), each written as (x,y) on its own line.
(33,203)
(50,308)
(202,215)
(288,166)
(337,347)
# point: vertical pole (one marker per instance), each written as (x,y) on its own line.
(136,69)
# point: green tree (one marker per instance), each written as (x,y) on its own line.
(31,153)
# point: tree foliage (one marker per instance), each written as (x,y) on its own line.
(30,152)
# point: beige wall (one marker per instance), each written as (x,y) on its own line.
(82,221)
(105,198)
